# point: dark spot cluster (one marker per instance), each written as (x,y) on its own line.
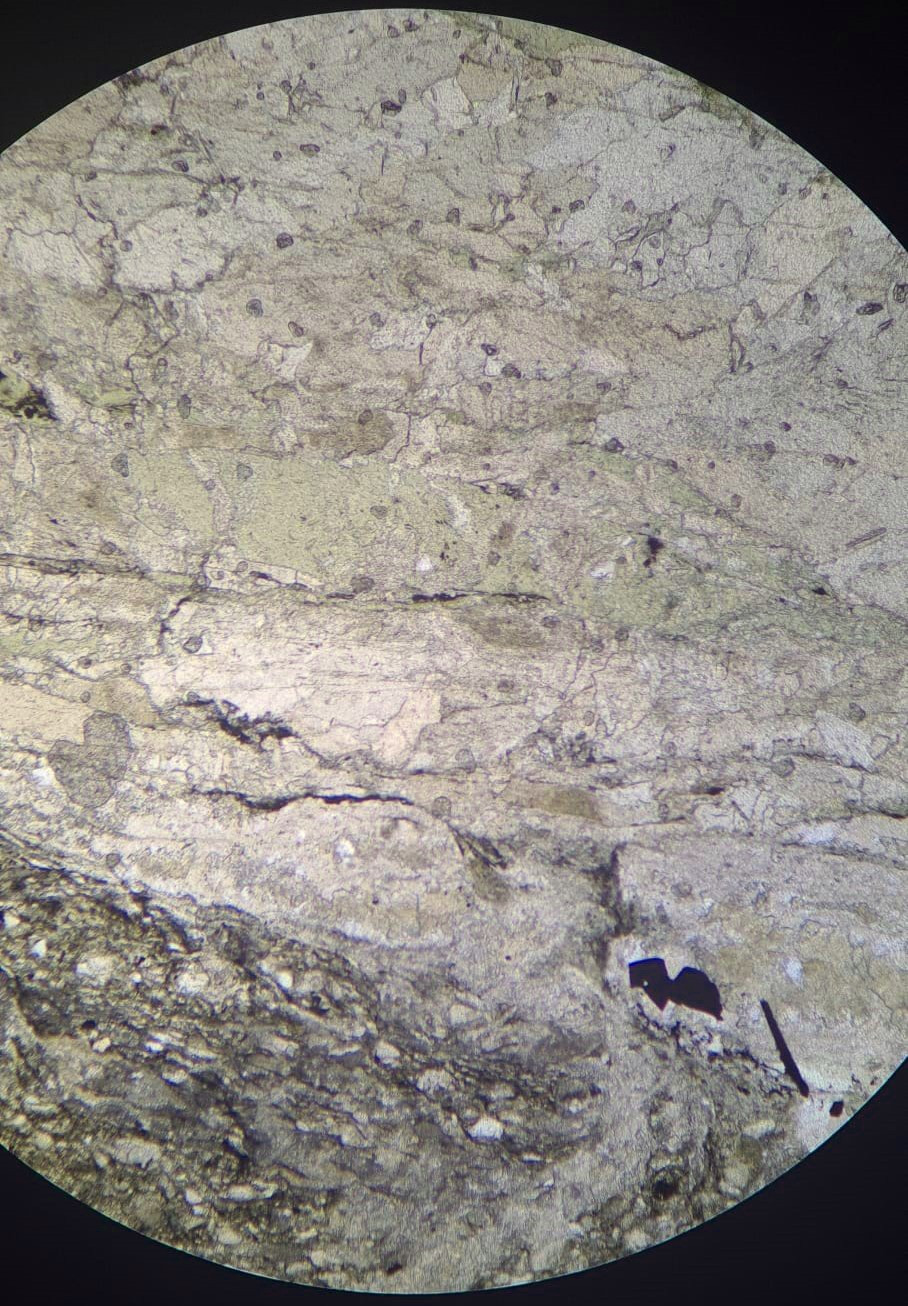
(409,26)
(654,545)
(620,910)
(130,79)
(30,405)
(579,749)
(665,1186)
(240,726)
(480,848)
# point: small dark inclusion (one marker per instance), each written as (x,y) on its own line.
(690,987)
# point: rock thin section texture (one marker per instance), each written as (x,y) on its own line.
(453,547)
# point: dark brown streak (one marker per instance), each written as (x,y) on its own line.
(275,803)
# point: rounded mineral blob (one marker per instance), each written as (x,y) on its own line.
(453,531)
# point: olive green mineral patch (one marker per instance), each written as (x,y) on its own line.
(22,399)
(89,772)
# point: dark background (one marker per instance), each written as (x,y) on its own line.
(833,79)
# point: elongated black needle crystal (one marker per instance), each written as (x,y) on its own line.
(788,1060)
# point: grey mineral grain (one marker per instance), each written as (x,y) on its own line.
(453,543)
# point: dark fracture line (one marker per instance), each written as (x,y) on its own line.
(788,1060)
